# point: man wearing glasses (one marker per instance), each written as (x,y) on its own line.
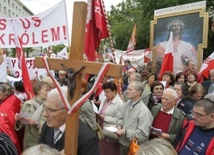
(53,130)
(197,136)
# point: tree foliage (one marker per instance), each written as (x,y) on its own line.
(123,16)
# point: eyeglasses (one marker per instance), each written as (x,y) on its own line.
(49,110)
(197,114)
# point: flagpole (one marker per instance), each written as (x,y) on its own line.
(118,80)
(69,41)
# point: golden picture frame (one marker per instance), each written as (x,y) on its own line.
(194,24)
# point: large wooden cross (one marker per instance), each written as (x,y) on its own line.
(75,62)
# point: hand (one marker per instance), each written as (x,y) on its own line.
(17,118)
(164,136)
(102,116)
(31,121)
(120,132)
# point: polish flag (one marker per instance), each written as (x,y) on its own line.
(96,28)
(21,58)
(207,65)
(167,64)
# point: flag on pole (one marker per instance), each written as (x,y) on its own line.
(21,58)
(167,64)
(132,40)
(207,65)
(96,28)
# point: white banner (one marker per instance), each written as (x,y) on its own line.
(47,28)
(3,68)
(14,67)
(136,57)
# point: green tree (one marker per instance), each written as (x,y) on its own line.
(12,51)
(57,48)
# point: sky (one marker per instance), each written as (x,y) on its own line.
(38,6)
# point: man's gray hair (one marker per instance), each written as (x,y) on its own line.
(55,93)
(138,85)
(137,77)
(174,94)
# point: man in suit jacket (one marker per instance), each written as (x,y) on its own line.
(167,117)
(53,131)
(209,84)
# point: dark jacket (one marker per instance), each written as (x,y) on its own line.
(206,84)
(185,105)
(87,140)
(187,131)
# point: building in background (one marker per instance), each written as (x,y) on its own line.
(14,8)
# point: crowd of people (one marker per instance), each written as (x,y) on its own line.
(173,115)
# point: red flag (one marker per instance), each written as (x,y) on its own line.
(167,64)
(96,28)
(21,58)
(207,65)
(132,40)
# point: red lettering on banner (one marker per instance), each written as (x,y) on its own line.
(33,37)
(13,62)
(55,33)
(11,39)
(1,39)
(64,31)
(17,74)
(26,23)
(25,38)
(29,63)
(37,21)
(2,24)
(44,36)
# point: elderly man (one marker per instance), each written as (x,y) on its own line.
(133,77)
(53,131)
(167,117)
(136,118)
(197,135)
(209,84)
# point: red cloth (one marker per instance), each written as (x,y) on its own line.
(21,57)
(161,121)
(96,28)
(167,64)
(8,108)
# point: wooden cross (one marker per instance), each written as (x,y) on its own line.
(75,62)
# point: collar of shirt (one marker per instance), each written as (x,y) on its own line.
(169,112)
(62,128)
(178,102)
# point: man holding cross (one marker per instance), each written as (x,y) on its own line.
(54,128)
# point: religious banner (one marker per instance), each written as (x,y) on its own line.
(189,24)
(44,29)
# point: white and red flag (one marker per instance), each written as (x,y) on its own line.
(21,57)
(132,40)
(167,64)
(207,65)
(96,28)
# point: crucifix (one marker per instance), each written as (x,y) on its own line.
(77,64)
